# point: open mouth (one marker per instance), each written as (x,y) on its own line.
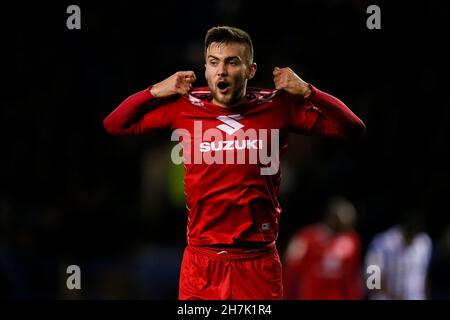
(223,86)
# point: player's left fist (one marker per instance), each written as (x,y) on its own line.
(286,79)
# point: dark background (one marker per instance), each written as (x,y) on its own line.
(71,194)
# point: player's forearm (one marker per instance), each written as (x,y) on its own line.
(125,119)
(338,120)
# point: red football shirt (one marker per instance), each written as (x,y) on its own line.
(233,203)
(323,265)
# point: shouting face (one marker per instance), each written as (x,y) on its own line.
(228,68)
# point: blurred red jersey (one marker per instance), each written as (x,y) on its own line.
(229,198)
(323,265)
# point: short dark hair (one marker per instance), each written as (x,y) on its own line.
(226,34)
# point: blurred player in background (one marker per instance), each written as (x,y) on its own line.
(232,208)
(403,254)
(323,260)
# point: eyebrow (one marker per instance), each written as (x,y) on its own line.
(226,59)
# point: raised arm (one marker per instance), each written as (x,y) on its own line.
(152,108)
(315,112)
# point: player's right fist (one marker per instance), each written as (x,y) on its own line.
(178,83)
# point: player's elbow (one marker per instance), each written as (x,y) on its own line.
(359,129)
(110,127)
(356,129)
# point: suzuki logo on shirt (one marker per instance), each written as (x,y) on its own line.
(209,146)
(230,125)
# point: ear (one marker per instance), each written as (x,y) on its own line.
(251,71)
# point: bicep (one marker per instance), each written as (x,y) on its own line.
(303,115)
(155,117)
(140,113)
(161,117)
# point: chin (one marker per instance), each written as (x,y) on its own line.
(222,99)
(224,102)
(227,101)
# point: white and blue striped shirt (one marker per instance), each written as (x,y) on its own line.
(403,267)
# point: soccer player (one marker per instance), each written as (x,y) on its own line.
(323,260)
(231,197)
(403,254)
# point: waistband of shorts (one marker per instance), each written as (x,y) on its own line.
(233,254)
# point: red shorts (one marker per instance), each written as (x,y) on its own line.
(231,274)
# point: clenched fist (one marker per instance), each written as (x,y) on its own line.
(286,79)
(178,83)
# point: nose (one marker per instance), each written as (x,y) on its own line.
(222,70)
